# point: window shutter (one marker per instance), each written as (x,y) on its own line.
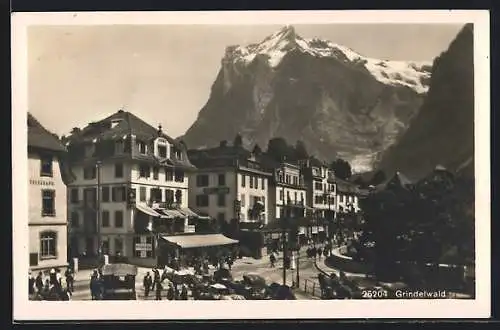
(113,194)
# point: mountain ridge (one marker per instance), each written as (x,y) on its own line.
(336,101)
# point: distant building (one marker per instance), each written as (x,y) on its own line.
(47,216)
(321,192)
(231,186)
(287,199)
(131,189)
(347,198)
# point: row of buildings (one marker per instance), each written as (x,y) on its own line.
(121,187)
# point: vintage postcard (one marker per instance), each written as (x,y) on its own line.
(207,165)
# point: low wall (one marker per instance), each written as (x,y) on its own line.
(345,263)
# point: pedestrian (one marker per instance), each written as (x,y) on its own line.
(272,258)
(31,284)
(94,286)
(229,262)
(170,292)
(319,252)
(59,277)
(158,288)
(184,292)
(69,279)
(39,282)
(147,282)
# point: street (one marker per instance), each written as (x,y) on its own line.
(243,266)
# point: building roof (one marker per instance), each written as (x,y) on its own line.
(397,180)
(126,125)
(39,137)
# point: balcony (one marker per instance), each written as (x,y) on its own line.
(295,203)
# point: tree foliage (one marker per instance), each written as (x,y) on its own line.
(421,224)
(279,150)
(341,168)
(238,141)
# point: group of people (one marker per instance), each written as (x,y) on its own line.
(317,252)
(51,287)
(157,283)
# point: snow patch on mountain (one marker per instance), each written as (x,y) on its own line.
(275,47)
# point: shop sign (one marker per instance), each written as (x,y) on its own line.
(41,182)
(216,190)
(144,247)
(190,229)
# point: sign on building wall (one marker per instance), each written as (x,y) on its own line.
(190,229)
(41,183)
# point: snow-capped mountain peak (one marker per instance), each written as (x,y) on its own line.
(275,47)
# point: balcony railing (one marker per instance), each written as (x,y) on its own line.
(294,203)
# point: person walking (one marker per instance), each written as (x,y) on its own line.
(69,279)
(147,282)
(272,259)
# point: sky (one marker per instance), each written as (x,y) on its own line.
(163,73)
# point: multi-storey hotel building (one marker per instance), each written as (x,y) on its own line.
(321,192)
(131,186)
(47,216)
(231,186)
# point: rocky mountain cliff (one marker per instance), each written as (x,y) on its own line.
(443,131)
(338,102)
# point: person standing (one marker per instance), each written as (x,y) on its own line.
(148,281)
(184,292)
(94,286)
(229,262)
(158,288)
(170,291)
(39,282)
(31,285)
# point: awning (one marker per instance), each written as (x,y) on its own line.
(173,213)
(302,230)
(190,213)
(147,210)
(195,241)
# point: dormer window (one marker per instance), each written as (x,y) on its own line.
(115,123)
(142,147)
(162,151)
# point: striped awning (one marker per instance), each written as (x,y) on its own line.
(149,211)
(197,241)
(173,213)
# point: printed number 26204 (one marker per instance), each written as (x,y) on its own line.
(374,294)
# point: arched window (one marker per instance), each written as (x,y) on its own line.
(48,244)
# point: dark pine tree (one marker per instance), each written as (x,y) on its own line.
(278,149)
(238,141)
(341,168)
(300,150)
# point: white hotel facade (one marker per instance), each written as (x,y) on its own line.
(130,177)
